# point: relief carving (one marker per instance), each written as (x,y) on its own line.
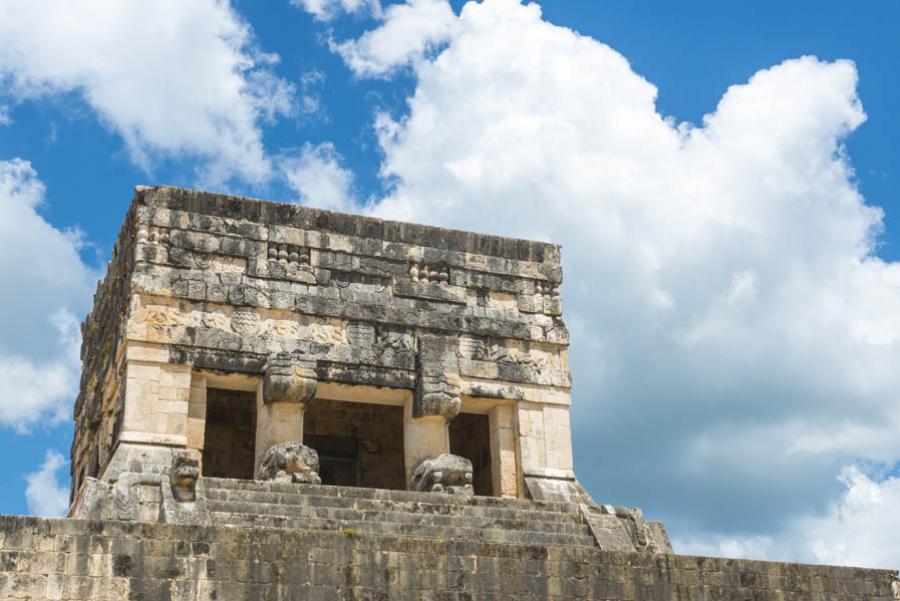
(290,462)
(395,340)
(289,379)
(423,273)
(245,321)
(446,473)
(281,328)
(482,349)
(213,320)
(323,333)
(360,333)
(437,378)
(290,261)
(159,315)
(202,260)
(248,296)
(151,241)
(184,474)
(545,299)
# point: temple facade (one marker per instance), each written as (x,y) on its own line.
(226,326)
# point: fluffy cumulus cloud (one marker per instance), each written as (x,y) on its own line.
(734,339)
(46,284)
(44,493)
(325,10)
(318,178)
(172,78)
(409,31)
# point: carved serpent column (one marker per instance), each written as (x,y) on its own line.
(289,385)
(436,401)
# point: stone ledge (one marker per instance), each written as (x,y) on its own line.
(275,213)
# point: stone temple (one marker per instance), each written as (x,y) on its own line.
(282,403)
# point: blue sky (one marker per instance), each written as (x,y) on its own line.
(732,302)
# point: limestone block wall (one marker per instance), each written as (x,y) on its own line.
(202,284)
(100,403)
(112,561)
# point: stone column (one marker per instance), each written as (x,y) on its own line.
(435,402)
(196,421)
(423,438)
(504,466)
(545,448)
(288,386)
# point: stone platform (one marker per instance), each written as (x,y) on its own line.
(289,506)
(280,541)
(116,560)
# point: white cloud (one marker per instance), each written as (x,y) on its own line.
(734,340)
(45,284)
(44,494)
(5,118)
(325,10)
(311,84)
(172,78)
(859,528)
(318,178)
(409,31)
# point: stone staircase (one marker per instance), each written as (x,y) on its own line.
(360,511)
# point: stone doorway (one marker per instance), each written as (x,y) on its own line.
(339,463)
(229,439)
(359,444)
(470,437)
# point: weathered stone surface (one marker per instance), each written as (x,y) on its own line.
(290,462)
(445,473)
(117,561)
(289,379)
(184,475)
(437,378)
(556,490)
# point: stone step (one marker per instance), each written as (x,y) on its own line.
(435,506)
(352,527)
(513,520)
(258,486)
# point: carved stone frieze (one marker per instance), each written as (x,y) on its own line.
(485,349)
(281,328)
(290,262)
(423,273)
(544,299)
(212,319)
(361,334)
(397,340)
(431,291)
(245,321)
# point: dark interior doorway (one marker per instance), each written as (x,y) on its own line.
(470,437)
(339,462)
(359,444)
(229,440)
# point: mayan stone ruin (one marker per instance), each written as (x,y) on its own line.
(280,402)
